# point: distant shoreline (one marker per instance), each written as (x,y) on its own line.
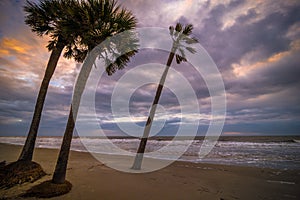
(258,139)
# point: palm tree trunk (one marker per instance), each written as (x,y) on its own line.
(141,150)
(27,151)
(59,175)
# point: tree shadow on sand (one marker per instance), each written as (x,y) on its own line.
(48,189)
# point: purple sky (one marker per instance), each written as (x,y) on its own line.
(255,45)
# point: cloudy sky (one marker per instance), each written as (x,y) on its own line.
(254,44)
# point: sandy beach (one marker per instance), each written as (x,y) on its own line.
(91,179)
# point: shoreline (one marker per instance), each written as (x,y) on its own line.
(92,179)
(222,138)
(227,151)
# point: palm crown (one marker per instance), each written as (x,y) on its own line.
(81,25)
(181,40)
(49,17)
(96,21)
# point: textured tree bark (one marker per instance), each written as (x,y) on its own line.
(141,150)
(28,148)
(59,175)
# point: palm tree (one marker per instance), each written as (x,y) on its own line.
(178,35)
(47,18)
(103,19)
(97,21)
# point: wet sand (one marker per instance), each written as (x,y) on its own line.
(92,179)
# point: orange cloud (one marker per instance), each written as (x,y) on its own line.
(245,68)
(26,61)
(4,52)
(10,45)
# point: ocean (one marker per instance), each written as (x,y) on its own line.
(265,152)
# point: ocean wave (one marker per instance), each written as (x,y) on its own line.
(281,154)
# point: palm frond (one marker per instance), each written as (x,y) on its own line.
(171,29)
(189,40)
(188,29)
(191,50)
(180,59)
(120,62)
(178,27)
(182,52)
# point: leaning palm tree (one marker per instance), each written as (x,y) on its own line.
(47,17)
(178,35)
(103,19)
(98,21)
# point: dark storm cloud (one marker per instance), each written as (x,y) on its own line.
(255,45)
(272,83)
(272,77)
(229,45)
